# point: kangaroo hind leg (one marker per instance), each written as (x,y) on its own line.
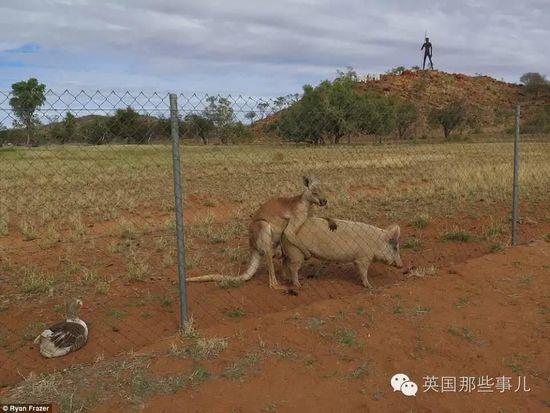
(263,235)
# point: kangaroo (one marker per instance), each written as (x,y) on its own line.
(352,242)
(269,222)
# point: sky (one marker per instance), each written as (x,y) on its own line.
(260,48)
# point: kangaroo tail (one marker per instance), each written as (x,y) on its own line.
(247,275)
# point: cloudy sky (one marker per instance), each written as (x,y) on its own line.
(259,47)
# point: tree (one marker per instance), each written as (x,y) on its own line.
(279,103)
(333,110)
(349,74)
(250,116)
(28,96)
(534,82)
(263,107)
(96,131)
(196,125)
(405,116)
(538,121)
(397,70)
(222,116)
(238,132)
(129,126)
(449,117)
(69,128)
(2,133)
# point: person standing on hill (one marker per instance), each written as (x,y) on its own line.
(427,47)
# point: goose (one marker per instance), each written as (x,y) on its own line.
(65,336)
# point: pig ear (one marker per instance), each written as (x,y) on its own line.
(393,233)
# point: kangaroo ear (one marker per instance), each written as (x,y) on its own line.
(307,181)
(393,232)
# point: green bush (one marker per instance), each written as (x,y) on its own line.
(128,126)
(405,117)
(539,122)
(197,126)
(534,82)
(333,110)
(96,131)
(397,70)
(239,133)
(449,117)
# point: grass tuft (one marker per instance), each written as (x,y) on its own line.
(33,281)
(237,369)
(421,221)
(463,332)
(137,268)
(457,235)
(423,271)
(411,243)
(236,313)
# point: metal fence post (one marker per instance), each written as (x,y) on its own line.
(174,122)
(515,194)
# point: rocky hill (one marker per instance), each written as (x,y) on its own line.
(491,102)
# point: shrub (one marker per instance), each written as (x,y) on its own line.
(534,82)
(333,110)
(539,121)
(405,116)
(128,126)
(198,126)
(238,133)
(220,113)
(96,131)
(449,117)
(397,70)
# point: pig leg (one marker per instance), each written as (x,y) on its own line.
(294,265)
(363,268)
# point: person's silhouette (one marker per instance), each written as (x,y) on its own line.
(427,47)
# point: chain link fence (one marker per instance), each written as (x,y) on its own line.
(87,207)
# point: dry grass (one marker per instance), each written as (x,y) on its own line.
(421,221)
(423,271)
(456,235)
(4,220)
(28,230)
(128,377)
(201,348)
(72,196)
(115,181)
(137,267)
(34,281)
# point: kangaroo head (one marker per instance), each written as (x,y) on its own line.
(390,250)
(313,192)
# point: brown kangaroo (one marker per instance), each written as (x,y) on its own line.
(268,223)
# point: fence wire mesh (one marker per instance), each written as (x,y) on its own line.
(87,208)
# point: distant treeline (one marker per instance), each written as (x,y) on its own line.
(127,126)
(328,113)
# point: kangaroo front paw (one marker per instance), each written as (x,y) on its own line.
(332,226)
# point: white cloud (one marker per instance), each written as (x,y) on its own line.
(262,47)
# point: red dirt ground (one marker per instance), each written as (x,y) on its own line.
(118,320)
(486,317)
